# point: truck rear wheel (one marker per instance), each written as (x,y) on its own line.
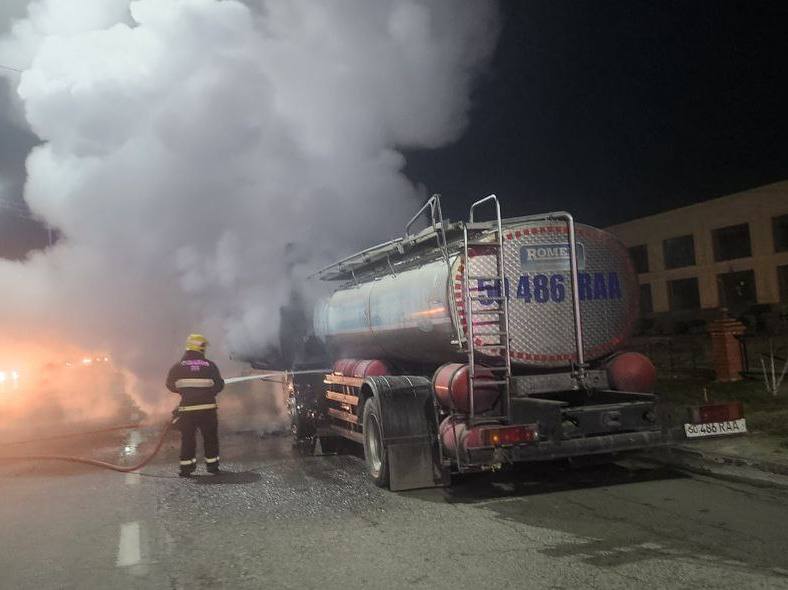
(375,451)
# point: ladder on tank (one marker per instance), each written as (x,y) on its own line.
(499,317)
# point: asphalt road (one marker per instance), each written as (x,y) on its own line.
(281,520)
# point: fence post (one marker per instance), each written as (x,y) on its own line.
(726,350)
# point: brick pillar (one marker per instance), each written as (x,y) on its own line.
(725,349)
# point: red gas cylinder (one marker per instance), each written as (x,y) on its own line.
(451,386)
(631,371)
(370,368)
(345,367)
(339,364)
(454,428)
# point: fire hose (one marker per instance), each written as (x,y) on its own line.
(72,435)
(159,443)
(96,462)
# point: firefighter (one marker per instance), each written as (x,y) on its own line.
(197,380)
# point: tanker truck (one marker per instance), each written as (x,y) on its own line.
(470,345)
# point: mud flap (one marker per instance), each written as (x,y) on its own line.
(410,432)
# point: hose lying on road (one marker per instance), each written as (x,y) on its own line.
(95,462)
(159,443)
(71,435)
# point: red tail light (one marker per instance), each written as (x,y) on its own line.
(509,435)
(717,412)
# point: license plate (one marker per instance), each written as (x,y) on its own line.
(716,428)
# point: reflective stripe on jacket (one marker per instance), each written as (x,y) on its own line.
(196,379)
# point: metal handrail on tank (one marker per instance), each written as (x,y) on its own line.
(381,252)
(469,321)
(502,299)
(581,364)
(434,203)
(578,320)
(484,200)
(362,253)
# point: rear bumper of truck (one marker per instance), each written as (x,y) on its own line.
(559,449)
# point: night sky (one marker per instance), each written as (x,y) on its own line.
(611,110)
(615,110)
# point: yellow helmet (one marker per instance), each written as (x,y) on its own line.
(196,342)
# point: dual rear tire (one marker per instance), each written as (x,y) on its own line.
(375,452)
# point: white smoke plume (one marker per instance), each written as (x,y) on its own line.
(187,142)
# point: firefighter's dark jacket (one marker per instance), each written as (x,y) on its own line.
(196,379)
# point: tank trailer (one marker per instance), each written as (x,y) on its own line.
(469,345)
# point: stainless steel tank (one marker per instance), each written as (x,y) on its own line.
(404,316)
(415,315)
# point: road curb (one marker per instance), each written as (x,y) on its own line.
(738,461)
(739,469)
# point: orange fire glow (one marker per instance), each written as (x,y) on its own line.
(46,387)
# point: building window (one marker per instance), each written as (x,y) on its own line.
(731,242)
(780,231)
(646,303)
(683,294)
(679,252)
(782,278)
(737,290)
(639,255)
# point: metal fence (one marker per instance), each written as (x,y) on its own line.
(758,352)
(691,354)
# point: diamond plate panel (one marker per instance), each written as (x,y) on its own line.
(540,296)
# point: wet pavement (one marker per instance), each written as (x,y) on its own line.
(277,519)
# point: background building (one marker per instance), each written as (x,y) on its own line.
(727,252)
